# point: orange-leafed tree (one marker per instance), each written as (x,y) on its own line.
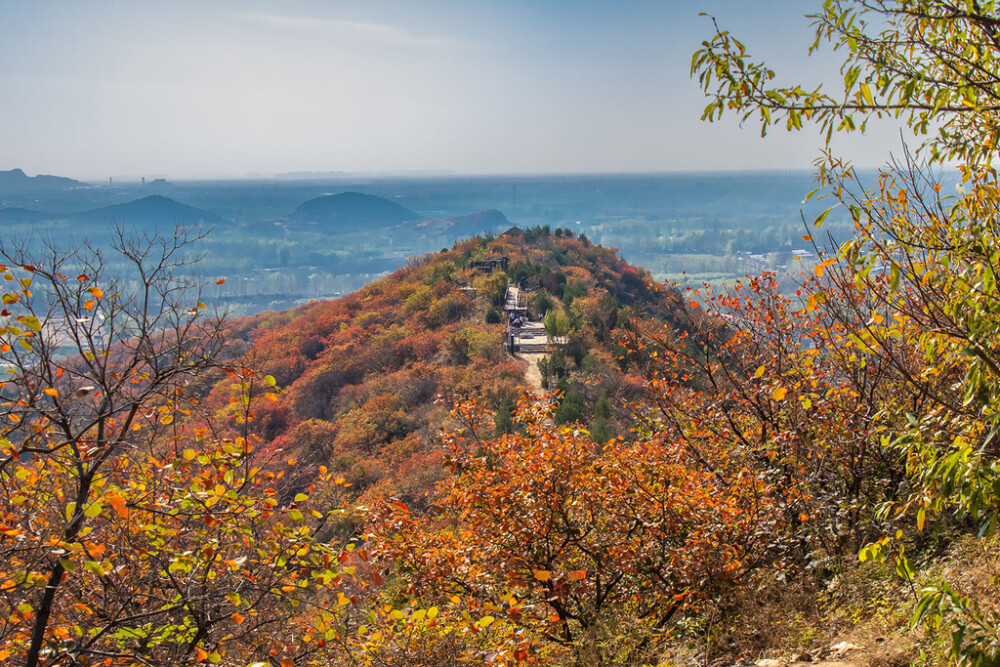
(779,386)
(592,550)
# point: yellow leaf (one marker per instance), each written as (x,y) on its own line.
(166,419)
(759,372)
(779,394)
(921,518)
(866,94)
(97,293)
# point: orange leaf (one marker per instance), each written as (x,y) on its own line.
(576,575)
(219,282)
(237,617)
(89,305)
(97,292)
(541,575)
(822,265)
(287,662)
(118,503)
(51,392)
(779,393)
(202,654)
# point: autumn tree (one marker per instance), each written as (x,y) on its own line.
(923,263)
(130,532)
(592,551)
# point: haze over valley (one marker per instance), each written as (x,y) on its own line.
(283,241)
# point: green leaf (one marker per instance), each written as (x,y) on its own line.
(94,567)
(904,568)
(822,216)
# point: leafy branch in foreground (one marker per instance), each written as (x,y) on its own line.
(931,63)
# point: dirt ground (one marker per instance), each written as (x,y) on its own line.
(845,654)
(532,376)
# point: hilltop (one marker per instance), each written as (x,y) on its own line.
(16,181)
(151,210)
(367,380)
(350,210)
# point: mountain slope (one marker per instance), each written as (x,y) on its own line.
(15,180)
(350,210)
(151,210)
(14,215)
(366,381)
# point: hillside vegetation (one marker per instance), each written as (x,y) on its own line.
(367,381)
(719,476)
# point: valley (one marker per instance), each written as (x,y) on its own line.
(278,243)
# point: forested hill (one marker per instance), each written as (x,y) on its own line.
(351,209)
(366,381)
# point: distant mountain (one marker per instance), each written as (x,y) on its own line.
(467,225)
(349,210)
(16,180)
(152,210)
(13,216)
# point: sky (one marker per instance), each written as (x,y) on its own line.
(221,89)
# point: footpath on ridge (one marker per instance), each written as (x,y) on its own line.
(527,340)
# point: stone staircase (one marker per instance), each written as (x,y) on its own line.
(530,338)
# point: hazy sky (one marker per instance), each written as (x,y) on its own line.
(198,88)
